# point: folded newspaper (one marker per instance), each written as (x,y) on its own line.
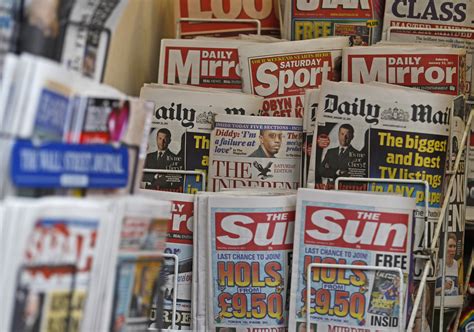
(354,229)
(280,72)
(180,132)
(359,20)
(255,152)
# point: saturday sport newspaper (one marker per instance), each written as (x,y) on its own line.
(359,20)
(266,11)
(280,72)
(207,63)
(250,250)
(255,152)
(431,68)
(354,229)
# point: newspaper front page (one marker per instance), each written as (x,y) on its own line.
(281,72)
(311,100)
(212,63)
(373,230)
(255,152)
(180,132)
(435,69)
(359,20)
(266,11)
(250,242)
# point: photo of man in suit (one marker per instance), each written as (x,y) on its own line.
(270,144)
(163,158)
(336,161)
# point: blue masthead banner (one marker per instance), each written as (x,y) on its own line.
(60,165)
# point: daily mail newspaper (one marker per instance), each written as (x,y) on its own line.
(85,47)
(209,63)
(254,152)
(383,131)
(442,14)
(250,242)
(266,11)
(360,20)
(435,69)
(180,132)
(373,230)
(282,72)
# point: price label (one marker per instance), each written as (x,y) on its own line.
(256,305)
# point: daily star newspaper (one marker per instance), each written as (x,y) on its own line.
(180,131)
(361,20)
(378,130)
(206,63)
(443,14)
(266,11)
(281,72)
(435,69)
(354,229)
(250,251)
(254,152)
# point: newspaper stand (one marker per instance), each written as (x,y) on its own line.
(216,20)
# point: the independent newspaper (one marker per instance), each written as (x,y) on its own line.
(359,20)
(265,11)
(250,242)
(371,230)
(280,72)
(180,130)
(251,152)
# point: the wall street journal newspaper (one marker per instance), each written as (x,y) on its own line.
(250,251)
(359,20)
(255,152)
(212,63)
(372,229)
(282,72)
(442,14)
(435,69)
(180,131)
(266,11)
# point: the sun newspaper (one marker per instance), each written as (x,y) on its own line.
(280,72)
(250,251)
(354,229)
(180,132)
(359,20)
(265,11)
(435,69)
(208,63)
(254,152)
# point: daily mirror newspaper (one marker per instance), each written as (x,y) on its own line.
(423,14)
(250,242)
(435,69)
(281,72)
(254,152)
(359,20)
(383,131)
(209,63)
(180,132)
(265,11)
(373,230)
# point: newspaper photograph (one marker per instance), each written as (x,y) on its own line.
(255,152)
(361,21)
(311,100)
(373,230)
(281,74)
(205,63)
(420,16)
(266,11)
(180,132)
(250,251)
(435,69)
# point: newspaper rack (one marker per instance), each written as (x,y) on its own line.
(216,20)
(401,325)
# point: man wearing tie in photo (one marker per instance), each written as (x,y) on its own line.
(337,160)
(163,158)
